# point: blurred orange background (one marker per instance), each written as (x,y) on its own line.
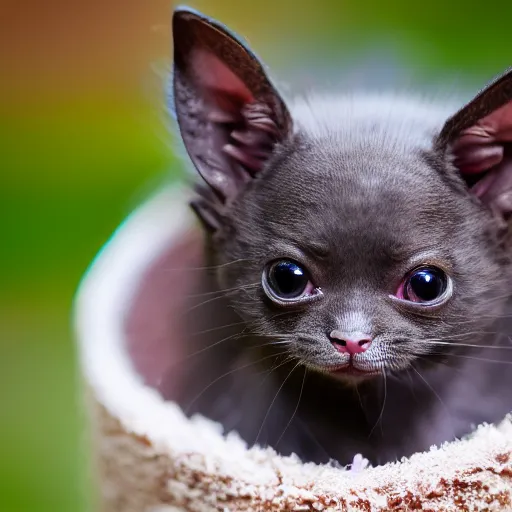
(84,137)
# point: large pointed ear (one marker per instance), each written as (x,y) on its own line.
(229,114)
(478,139)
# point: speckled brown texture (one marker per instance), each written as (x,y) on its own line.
(137,477)
(150,458)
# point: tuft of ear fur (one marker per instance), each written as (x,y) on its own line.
(229,115)
(478,139)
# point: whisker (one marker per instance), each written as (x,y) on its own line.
(437,396)
(379,419)
(310,434)
(465,334)
(196,306)
(452,344)
(208,347)
(483,359)
(296,408)
(411,384)
(271,344)
(356,387)
(267,373)
(220,295)
(272,403)
(218,328)
(222,377)
(225,290)
(213,267)
(444,363)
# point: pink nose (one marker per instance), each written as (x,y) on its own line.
(350,342)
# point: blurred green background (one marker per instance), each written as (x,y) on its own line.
(84,137)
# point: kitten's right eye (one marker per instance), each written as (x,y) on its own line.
(424,285)
(287,280)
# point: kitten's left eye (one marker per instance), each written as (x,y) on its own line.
(287,280)
(425,284)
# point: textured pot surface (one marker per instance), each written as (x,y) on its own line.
(151,457)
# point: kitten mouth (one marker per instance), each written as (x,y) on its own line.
(350,370)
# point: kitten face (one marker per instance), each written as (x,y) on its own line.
(389,217)
(359,223)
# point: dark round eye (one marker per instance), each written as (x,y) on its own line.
(288,280)
(425,284)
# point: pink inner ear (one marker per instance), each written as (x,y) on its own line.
(480,147)
(213,75)
(246,128)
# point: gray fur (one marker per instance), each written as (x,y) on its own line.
(359,191)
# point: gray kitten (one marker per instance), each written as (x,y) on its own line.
(360,273)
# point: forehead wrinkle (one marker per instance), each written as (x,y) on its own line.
(313,207)
(398,231)
(385,246)
(396,237)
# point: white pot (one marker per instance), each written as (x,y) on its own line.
(150,457)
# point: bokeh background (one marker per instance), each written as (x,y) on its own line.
(84,137)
